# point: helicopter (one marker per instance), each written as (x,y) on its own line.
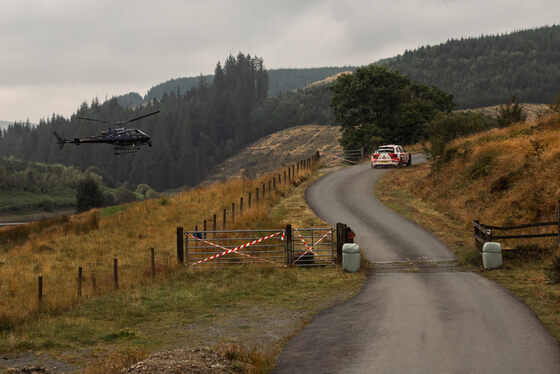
(124,140)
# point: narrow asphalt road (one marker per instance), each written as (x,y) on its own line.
(435,319)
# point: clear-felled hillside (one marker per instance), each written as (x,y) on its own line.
(281,148)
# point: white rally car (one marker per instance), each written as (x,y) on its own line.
(390,155)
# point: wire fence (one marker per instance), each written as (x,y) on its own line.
(484,233)
(55,290)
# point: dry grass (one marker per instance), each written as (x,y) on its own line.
(194,307)
(501,177)
(56,248)
(116,362)
(282,147)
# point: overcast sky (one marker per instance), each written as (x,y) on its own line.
(58,53)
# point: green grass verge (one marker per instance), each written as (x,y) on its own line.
(181,301)
(23,201)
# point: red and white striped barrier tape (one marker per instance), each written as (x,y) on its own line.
(310,249)
(344,159)
(236,249)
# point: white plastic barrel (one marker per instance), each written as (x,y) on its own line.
(351,257)
(492,255)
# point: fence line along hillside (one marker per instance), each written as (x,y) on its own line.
(40,262)
(484,233)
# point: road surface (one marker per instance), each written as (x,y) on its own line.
(433,319)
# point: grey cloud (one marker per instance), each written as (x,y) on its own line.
(122,45)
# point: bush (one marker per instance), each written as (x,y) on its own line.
(88,195)
(124,195)
(47,204)
(447,127)
(109,199)
(482,166)
(510,113)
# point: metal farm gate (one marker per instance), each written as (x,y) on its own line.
(281,247)
(344,156)
(312,247)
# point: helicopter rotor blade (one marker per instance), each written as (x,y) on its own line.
(97,120)
(137,118)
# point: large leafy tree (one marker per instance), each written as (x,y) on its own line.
(377,105)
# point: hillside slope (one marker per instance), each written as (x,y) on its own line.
(488,70)
(502,176)
(280,81)
(280,148)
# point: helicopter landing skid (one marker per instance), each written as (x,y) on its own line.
(124,150)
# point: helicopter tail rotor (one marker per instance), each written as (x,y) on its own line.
(59,140)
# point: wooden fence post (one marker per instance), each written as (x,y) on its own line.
(290,173)
(186,250)
(180,257)
(274,182)
(40,290)
(214,224)
(205,227)
(80,281)
(340,238)
(116,273)
(264,191)
(232,212)
(269,189)
(257,195)
(224,220)
(241,206)
(475,233)
(153,262)
(249,201)
(288,244)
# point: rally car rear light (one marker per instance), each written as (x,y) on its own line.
(375,156)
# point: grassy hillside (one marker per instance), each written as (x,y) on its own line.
(280,148)
(502,177)
(250,306)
